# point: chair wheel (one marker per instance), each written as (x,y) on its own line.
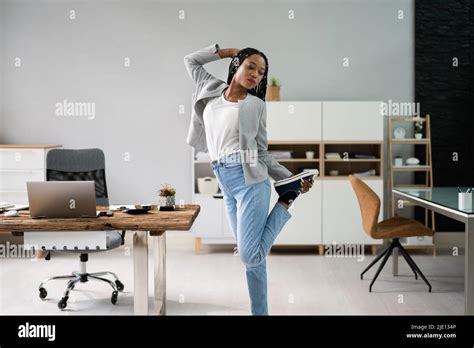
(120,285)
(43,293)
(114,297)
(63,302)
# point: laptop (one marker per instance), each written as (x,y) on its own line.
(61,199)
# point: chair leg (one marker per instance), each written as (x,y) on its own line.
(70,285)
(104,273)
(384,261)
(72,276)
(374,261)
(408,257)
(411,266)
(111,283)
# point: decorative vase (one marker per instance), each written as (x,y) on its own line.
(273,93)
(166,201)
(418,135)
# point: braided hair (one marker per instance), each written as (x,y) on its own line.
(261,89)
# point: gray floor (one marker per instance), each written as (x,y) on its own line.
(300,282)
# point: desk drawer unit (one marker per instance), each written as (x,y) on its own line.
(18,166)
(22,159)
(17,179)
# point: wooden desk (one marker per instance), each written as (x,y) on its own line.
(154,224)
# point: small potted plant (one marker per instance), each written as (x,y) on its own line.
(419,129)
(273,90)
(166,197)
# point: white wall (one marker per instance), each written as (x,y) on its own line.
(81,60)
(2,64)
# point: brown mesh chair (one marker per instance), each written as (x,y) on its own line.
(393,228)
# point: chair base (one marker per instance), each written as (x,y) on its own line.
(82,277)
(386,254)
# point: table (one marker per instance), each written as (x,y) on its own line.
(153,224)
(444,200)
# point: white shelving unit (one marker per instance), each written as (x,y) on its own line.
(344,127)
(423,242)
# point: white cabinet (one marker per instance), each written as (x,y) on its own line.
(212,221)
(342,222)
(417,241)
(21,158)
(19,165)
(17,178)
(291,121)
(352,121)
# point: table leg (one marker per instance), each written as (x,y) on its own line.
(395,261)
(140,272)
(469,260)
(159,251)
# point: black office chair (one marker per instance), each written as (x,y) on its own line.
(77,165)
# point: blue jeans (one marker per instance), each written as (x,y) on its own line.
(253,228)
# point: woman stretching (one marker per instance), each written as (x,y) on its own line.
(229,121)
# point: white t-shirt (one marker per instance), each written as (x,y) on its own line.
(221,121)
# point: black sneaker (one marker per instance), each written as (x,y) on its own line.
(289,189)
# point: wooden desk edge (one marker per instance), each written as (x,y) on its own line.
(155,233)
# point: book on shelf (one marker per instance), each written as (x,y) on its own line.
(333,155)
(281,154)
(370,172)
(363,156)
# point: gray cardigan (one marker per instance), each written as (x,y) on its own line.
(257,163)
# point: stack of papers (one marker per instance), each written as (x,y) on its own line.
(333,155)
(5,205)
(281,154)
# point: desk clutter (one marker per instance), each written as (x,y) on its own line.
(5,207)
(133,208)
(465,199)
(11,210)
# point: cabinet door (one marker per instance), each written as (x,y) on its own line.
(209,221)
(14,197)
(290,121)
(304,226)
(352,121)
(423,240)
(15,179)
(22,159)
(342,220)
